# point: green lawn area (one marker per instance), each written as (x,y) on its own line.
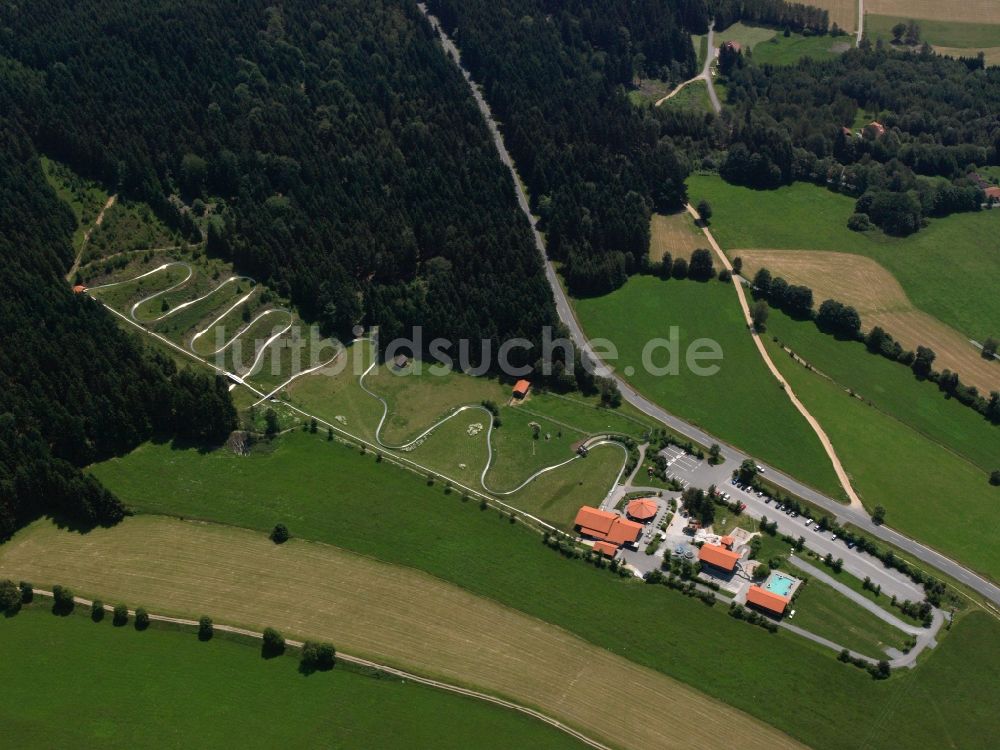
(893,389)
(748,36)
(117,687)
(741,403)
(947,269)
(693,96)
(781,50)
(830,614)
(311,485)
(128,225)
(930,494)
(941,33)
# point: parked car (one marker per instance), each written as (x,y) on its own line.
(743,506)
(760,469)
(809,523)
(791,614)
(767,500)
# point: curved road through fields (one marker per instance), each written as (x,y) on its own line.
(844,514)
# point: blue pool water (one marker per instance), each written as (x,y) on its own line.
(779,584)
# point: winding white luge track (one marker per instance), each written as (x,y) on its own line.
(590,443)
(184,305)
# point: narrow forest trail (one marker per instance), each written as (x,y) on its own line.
(86,237)
(705,74)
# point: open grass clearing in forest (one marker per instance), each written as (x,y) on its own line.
(399,519)
(650,91)
(84,197)
(829,614)
(930,493)
(960,38)
(880,300)
(675,234)
(741,403)
(220,693)
(748,36)
(694,97)
(946,269)
(367,608)
(782,50)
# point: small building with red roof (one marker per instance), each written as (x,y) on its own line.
(719,557)
(992,194)
(606,548)
(521,388)
(605,526)
(727,542)
(767,600)
(79,289)
(644,509)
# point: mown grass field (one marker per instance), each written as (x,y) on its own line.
(748,36)
(117,687)
(893,389)
(827,613)
(946,269)
(972,25)
(930,493)
(741,403)
(384,612)
(675,234)
(781,50)
(310,485)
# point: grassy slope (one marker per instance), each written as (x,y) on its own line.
(489,557)
(829,614)
(930,494)
(781,50)
(892,388)
(117,687)
(694,96)
(84,197)
(748,36)
(946,269)
(741,403)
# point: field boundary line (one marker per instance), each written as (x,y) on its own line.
(359,661)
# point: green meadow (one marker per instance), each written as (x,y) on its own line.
(313,486)
(85,683)
(782,50)
(742,403)
(893,390)
(972,36)
(947,269)
(931,494)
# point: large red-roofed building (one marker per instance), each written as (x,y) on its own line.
(606,526)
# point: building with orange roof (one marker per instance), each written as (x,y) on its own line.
(644,509)
(767,600)
(606,548)
(521,388)
(79,289)
(992,194)
(606,526)
(727,542)
(876,129)
(719,557)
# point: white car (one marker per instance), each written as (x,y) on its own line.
(809,523)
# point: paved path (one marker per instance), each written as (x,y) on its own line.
(705,75)
(926,637)
(370,665)
(861,22)
(824,440)
(843,514)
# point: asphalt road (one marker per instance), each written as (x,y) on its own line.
(788,484)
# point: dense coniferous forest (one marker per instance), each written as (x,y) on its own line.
(555,75)
(355,172)
(74,387)
(939,118)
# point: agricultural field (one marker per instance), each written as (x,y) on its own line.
(929,493)
(957,38)
(694,97)
(981,12)
(842,12)
(458,543)
(144,694)
(880,300)
(397,616)
(781,50)
(945,269)
(675,234)
(741,403)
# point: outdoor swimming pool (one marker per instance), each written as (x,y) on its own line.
(779,584)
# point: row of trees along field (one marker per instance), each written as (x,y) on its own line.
(73,387)
(940,118)
(349,165)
